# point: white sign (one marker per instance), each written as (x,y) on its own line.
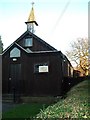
(43,68)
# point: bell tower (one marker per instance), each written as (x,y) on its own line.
(31,20)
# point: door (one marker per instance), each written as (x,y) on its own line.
(14,79)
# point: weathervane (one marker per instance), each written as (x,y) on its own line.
(32,3)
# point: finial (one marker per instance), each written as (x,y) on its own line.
(32,3)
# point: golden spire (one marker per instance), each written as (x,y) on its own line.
(31,20)
(31,16)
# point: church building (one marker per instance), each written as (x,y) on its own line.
(31,66)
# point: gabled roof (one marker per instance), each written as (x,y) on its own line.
(14,43)
(22,36)
(39,39)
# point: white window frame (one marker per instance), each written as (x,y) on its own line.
(41,68)
(15,52)
(28,42)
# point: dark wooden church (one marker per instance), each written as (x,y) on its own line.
(31,66)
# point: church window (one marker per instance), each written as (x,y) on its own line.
(28,42)
(15,52)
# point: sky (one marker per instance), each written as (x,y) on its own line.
(60,21)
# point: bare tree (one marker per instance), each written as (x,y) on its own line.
(79,55)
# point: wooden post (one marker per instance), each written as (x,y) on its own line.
(0,87)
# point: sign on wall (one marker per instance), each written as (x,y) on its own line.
(43,69)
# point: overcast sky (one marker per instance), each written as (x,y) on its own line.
(60,21)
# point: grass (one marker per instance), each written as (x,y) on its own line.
(24,111)
(76,105)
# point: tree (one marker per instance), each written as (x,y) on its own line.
(1,46)
(79,55)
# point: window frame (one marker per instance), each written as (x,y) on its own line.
(15,55)
(28,42)
(38,65)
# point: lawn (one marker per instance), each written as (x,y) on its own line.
(75,105)
(24,111)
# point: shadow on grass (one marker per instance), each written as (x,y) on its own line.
(24,110)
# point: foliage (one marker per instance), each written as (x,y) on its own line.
(79,54)
(1,45)
(74,106)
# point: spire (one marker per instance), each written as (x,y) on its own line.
(31,16)
(31,20)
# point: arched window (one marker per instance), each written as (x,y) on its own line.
(15,52)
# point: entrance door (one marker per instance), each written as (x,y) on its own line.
(14,79)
